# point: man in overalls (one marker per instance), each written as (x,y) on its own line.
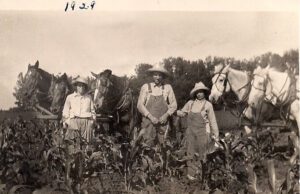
(156,103)
(201,127)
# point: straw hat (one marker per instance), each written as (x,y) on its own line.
(159,68)
(80,79)
(198,86)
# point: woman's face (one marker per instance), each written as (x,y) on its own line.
(81,88)
(157,77)
(200,95)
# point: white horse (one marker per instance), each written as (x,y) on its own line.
(277,88)
(227,79)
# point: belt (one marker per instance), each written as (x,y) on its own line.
(88,118)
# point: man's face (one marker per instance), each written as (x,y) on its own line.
(80,88)
(157,77)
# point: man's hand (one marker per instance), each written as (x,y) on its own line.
(153,119)
(163,119)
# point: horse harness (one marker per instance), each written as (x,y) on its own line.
(284,106)
(123,105)
(246,95)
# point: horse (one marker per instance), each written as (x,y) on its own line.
(113,97)
(281,89)
(58,92)
(278,88)
(227,79)
(36,86)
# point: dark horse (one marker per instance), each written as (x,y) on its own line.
(36,86)
(59,89)
(113,97)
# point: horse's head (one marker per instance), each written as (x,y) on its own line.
(103,84)
(31,79)
(260,86)
(220,83)
(58,92)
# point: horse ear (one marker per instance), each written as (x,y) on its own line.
(226,68)
(94,74)
(37,64)
(64,76)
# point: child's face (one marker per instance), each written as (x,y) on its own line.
(200,95)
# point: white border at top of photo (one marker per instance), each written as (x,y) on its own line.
(157,5)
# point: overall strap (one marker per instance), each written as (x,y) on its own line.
(162,87)
(202,108)
(149,88)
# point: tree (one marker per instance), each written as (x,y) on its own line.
(291,60)
(18,91)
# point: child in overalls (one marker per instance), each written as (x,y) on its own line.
(156,103)
(201,126)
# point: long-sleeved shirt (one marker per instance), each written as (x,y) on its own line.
(165,90)
(77,105)
(207,113)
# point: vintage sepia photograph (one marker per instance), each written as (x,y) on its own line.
(149,96)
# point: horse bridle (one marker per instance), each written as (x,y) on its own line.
(122,101)
(265,80)
(105,85)
(225,81)
(264,89)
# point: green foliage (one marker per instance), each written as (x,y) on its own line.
(18,91)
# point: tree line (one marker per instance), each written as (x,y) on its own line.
(185,73)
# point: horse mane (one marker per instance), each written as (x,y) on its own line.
(261,71)
(218,68)
(44,74)
(239,74)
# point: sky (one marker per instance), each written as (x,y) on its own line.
(81,42)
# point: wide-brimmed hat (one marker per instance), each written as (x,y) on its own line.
(159,68)
(80,79)
(198,86)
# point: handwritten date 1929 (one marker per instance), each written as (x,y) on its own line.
(82,5)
